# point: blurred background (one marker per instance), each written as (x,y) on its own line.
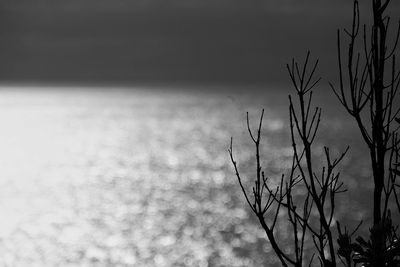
(174,41)
(116,116)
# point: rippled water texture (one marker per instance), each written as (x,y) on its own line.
(138,177)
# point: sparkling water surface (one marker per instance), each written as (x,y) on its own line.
(142,177)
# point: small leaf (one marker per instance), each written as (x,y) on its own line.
(357,248)
(362,242)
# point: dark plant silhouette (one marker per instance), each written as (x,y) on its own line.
(310,215)
(368,87)
(369,96)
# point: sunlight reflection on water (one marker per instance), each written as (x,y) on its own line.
(95,177)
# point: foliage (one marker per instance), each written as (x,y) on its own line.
(368,87)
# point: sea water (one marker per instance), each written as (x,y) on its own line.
(142,177)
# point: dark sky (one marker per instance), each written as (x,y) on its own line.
(207,41)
